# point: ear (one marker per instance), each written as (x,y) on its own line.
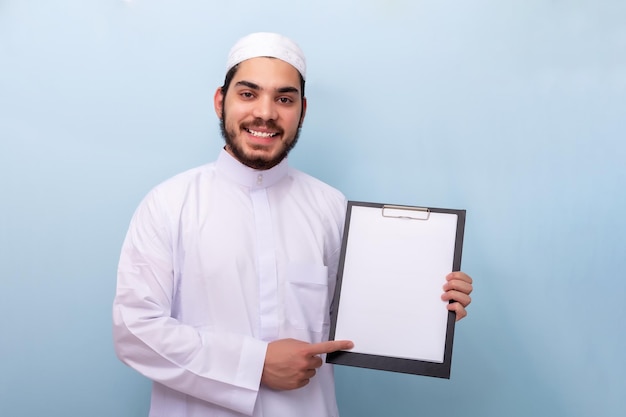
(303,113)
(218,102)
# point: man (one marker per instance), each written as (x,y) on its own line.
(227,271)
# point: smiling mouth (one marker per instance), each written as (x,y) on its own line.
(261,134)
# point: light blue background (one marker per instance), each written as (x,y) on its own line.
(513,110)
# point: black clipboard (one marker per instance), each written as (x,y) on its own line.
(394,259)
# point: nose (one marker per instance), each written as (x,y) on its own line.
(265,108)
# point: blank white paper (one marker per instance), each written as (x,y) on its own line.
(393,275)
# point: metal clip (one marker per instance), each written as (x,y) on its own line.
(406,212)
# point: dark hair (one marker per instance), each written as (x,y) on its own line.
(231,74)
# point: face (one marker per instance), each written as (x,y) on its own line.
(262,111)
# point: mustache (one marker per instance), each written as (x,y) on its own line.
(266,124)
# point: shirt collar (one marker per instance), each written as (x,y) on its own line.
(235,171)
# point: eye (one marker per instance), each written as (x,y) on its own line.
(285,100)
(246,94)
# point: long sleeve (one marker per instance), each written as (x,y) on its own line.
(218,367)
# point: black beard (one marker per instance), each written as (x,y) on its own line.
(255,163)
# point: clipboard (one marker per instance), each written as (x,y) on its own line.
(393,264)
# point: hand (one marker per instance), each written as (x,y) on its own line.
(290,363)
(458,288)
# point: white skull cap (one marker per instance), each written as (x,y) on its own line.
(267,44)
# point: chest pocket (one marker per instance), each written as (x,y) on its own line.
(306,298)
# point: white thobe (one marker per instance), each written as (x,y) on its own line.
(217,262)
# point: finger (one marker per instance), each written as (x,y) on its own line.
(459,275)
(330,346)
(461,286)
(458,309)
(314,362)
(302,383)
(306,378)
(458,296)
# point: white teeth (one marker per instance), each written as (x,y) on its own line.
(261,134)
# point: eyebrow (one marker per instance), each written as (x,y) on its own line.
(254,86)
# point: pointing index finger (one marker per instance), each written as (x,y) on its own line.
(330,346)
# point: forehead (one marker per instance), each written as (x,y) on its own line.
(268,73)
